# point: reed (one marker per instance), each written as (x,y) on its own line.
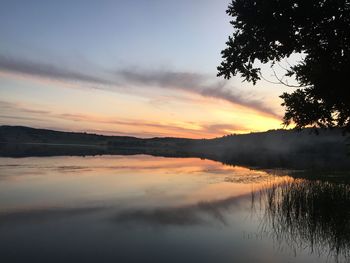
(308,214)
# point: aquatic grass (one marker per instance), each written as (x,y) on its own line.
(308,214)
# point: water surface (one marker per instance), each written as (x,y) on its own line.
(142,208)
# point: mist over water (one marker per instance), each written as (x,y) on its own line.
(143,208)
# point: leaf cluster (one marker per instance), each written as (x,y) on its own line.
(269,31)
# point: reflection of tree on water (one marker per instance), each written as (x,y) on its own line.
(312,215)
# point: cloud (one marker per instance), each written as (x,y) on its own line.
(203,129)
(10,64)
(186,81)
(13,111)
(12,117)
(195,83)
(223,128)
(10,106)
(9,110)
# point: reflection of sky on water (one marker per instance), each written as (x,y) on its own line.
(138,180)
(133,209)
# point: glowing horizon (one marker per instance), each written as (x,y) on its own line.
(57,75)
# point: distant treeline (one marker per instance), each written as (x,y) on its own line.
(271,149)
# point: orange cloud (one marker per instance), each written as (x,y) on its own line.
(118,126)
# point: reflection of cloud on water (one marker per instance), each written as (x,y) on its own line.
(187,215)
(195,214)
(38,215)
(161,216)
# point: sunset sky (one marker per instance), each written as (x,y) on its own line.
(139,68)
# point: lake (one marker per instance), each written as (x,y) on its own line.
(155,209)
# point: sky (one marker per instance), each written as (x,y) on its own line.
(138,68)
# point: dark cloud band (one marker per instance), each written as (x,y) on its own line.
(185,81)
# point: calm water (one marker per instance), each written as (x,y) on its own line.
(154,209)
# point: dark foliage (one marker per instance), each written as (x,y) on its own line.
(269,31)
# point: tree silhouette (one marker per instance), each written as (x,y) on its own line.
(271,31)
